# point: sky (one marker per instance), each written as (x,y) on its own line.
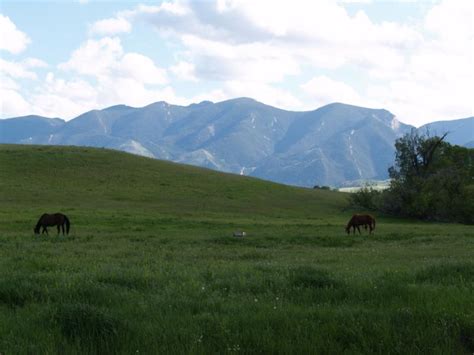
(63,58)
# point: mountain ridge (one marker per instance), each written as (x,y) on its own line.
(330,145)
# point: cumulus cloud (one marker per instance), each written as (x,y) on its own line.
(323,90)
(263,92)
(100,73)
(16,70)
(12,100)
(95,57)
(184,70)
(110,26)
(417,66)
(436,80)
(420,70)
(283,35)
(12,39)
(106,58)
(260,62)
(12,103)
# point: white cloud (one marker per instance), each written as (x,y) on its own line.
(12,103)
(12,100)
(271,40)
(12,40)
(95,57)
(16,70)
(262,92)
(421,71)
(265,93)
(106,58)
(35,63)
(141,69)
(258,62)
(110,26)
(184,70)
(451,20)
(322,90)
(98,74)
(436,80)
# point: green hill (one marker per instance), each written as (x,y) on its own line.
(151,266)
(42,177)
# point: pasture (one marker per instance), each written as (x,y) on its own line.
(150,265)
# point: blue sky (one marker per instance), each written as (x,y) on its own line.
(62,58)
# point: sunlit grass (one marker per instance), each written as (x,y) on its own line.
(153,268)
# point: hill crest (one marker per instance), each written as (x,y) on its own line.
(331,145)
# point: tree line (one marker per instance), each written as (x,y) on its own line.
(431,180)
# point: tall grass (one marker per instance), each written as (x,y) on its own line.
(152,268)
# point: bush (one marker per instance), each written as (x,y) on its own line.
(431,180)
(366,198)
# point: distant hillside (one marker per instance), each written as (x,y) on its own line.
(28,129)
(332,145)
(49,178)
(460,132)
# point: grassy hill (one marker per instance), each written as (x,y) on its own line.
(151,266)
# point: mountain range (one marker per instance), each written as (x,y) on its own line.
(333,145)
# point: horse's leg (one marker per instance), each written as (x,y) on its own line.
(58,228)
(45,229)
(62,227)
(358,228)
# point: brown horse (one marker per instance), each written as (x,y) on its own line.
(357,220)
(57,219)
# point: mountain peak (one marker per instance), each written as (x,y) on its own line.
(201,104)
(328,146)
(117,107)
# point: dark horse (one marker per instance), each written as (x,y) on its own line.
(357,220)
(57,219)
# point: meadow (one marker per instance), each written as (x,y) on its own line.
(150,265)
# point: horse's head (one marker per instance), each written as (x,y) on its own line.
(36,229)
(348,229)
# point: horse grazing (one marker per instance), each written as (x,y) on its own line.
(57,219)
(357,220)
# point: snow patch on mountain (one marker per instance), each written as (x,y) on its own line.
(132,146)
(395,124)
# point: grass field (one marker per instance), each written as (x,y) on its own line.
(151,266)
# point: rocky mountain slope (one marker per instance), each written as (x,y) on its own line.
(332,145)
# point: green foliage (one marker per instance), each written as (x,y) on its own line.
(366,198)
(322,187)
(431,180)
(151,265)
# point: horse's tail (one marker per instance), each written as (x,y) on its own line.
(373,221)
(68,224)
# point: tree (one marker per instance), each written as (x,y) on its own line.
(431,179)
